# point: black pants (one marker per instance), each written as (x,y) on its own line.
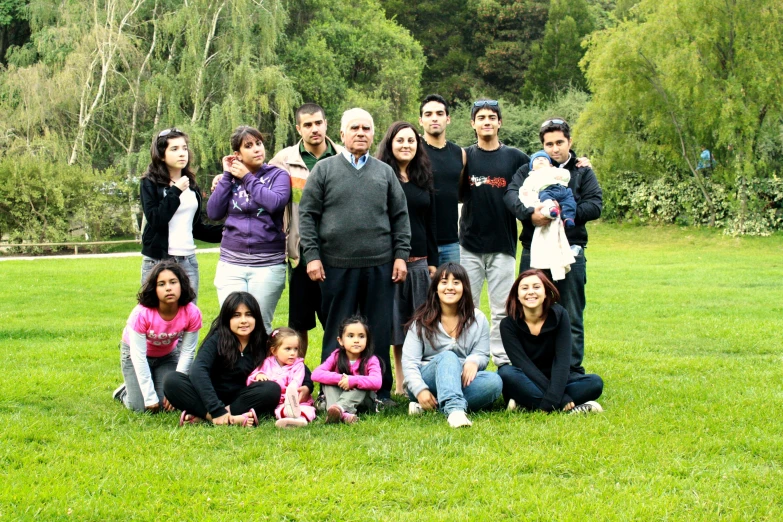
(368,291)
(263,397)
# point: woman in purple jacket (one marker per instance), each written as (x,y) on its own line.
(251,197)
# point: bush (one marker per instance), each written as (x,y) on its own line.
(42,202)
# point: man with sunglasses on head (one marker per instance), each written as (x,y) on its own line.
(487,232)
(555,136)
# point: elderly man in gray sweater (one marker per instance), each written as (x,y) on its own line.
(355,237)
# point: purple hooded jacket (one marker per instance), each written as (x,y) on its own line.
(253,208)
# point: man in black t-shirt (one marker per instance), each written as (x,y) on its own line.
(488,231)
(448,162)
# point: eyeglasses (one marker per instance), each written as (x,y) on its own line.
(555,122)
(486,103)
(166,132)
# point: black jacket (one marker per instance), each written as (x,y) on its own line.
(159,204)
(587,193)
(545,358)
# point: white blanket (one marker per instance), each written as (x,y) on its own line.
(549,248)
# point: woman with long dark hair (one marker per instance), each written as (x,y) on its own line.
(171,202)
(536,336)
(251,196)
(402,148)
(447,349)
(216,391)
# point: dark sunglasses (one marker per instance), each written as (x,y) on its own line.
(166,132)
(486,103)
(555,122)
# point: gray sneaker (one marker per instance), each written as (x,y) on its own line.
(119,393)
(588,407)
(320,403)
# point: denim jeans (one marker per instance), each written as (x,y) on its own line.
(517,386)
(160,367)
(189,264)
(572,298)
(448,253)
(265,283)
(443,376)
(498,270)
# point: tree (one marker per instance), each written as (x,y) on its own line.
(349,54)
(557,55)
(676,74)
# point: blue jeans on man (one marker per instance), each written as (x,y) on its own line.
(572,298)
(448,253)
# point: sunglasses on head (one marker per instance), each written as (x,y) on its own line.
(486,103)
(555,122)
(166,132)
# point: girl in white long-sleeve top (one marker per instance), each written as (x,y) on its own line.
(351,375)
(160,337)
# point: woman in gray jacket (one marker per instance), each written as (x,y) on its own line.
(446,351)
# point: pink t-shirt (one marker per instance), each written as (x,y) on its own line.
(162,336)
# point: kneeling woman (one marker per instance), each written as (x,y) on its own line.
(215,390)
(446,350)
(537,338)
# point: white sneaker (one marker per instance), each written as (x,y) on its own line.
(414,408)
(458,419)
(512,405)
(588,407)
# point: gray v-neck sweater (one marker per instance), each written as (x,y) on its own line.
(352,218)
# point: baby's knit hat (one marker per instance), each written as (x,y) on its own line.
(539,154)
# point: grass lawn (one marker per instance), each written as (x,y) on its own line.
(684,326)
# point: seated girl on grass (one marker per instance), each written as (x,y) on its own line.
(288,370)
(351,375)
(446,351)
(159,338)
(216,390)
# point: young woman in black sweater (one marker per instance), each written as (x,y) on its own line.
(172,202)
(536,336)
(215,390)
(403,149)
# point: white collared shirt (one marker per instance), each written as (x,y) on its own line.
(357,164)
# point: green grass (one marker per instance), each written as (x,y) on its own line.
(684,326)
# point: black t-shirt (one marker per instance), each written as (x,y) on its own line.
(446,168)
(486,226)
(421,212)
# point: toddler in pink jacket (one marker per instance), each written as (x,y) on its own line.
(351,375)
(287,369)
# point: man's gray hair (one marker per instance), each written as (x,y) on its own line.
(354,113)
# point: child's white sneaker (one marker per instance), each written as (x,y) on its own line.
(458,419)
(414,408)
(291,403)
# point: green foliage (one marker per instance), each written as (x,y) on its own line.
(45,202)
(557,55)
(520,122)
(674,75)
(349,54)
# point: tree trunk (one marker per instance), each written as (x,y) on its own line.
(204,63)
(137,93)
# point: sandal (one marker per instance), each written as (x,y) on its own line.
(183,419)
(249,418)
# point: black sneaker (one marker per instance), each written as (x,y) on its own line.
(320,403)
(119,393)
(588,407)
(385,403)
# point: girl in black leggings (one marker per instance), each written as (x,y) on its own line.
(215,390)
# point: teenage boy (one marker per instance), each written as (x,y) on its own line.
(356,238)
(448,162)
(304,294)
(488,231)
(555,136)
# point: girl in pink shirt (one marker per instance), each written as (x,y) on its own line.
(351,375)
(160,337)
(286,368)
